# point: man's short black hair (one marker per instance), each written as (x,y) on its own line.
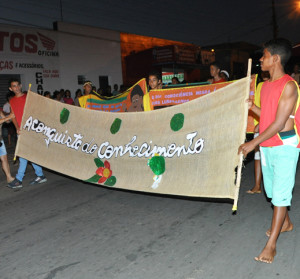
(156,74)
(216,64)
(13,80)
(281,47)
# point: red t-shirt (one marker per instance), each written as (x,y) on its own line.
(219,81)
(69,101)
(17,104)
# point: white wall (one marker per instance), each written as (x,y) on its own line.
(88,51)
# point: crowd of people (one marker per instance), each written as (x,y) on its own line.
(276,103)
(65,96)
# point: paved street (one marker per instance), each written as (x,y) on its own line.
(67,229)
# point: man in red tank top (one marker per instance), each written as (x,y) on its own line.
(278,139)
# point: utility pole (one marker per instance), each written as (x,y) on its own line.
(274,21)
(61,11)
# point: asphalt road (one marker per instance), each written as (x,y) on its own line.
(68,229)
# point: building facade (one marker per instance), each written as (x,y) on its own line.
(61,58)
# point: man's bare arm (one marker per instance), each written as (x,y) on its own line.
(14,120)
(6,118)
(255,110)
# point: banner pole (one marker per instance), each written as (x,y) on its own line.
(241,157)
(17,145)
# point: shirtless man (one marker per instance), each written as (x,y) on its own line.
(279,97)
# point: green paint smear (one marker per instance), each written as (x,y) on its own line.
(177,122)
(94,179)
(111,181)
(64,115)
(115,127)
(98,162)
(157,165)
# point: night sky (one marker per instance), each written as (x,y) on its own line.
(199,22)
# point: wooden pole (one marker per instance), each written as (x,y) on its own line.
(241,158)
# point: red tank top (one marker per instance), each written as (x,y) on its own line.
(270,95)
(17,104)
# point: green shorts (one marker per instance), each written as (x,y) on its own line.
(279,165)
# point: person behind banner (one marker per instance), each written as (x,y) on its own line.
(67,98)
(108,91)
(215,69)
(116,91)
(175,80)
(78,94)
(17,104)
(87,90)
(8,127)
(224,75)
(47,94)
(257,164)
(278,117)
(57,96)
(154,80)
(296,73)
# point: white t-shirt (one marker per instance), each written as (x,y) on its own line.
(6,107)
